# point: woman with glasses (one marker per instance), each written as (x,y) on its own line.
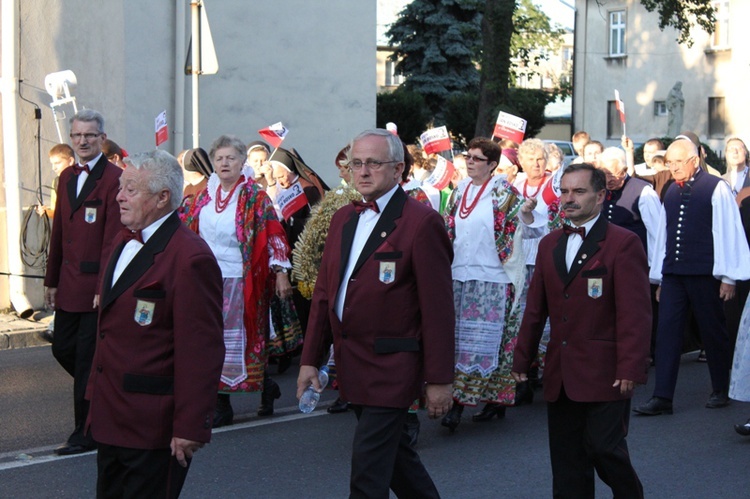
(488,275)
(237,220)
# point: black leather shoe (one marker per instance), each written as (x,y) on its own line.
(743,429)
(285,362)
(654,407)
(453,418)
(67,449)
(412,428)
(488,412)
(717,400)
(271,392)
(338,407)
(524,394)
(223,413)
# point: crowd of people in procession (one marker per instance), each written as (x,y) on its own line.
(575,278)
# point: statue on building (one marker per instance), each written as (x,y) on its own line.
(675,107)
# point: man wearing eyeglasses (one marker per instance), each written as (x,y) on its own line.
(384,297)
(87,218)
(701,251)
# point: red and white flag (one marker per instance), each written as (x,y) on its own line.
(274,134)
(160,128)
(620,105)
(441,175)
(291,200)
(510,127)
(435,140)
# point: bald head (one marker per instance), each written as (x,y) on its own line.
(682,159)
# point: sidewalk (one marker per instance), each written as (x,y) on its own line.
(21,333)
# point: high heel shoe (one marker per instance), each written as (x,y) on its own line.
(223,413)
(271,392)
(488,412)
(453,418)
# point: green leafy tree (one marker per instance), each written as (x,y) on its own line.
(683,15)
(437,43)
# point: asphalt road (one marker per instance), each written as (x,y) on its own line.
(694,453)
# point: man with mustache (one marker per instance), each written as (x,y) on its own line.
(591,281)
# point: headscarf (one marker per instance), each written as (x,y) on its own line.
(196,160)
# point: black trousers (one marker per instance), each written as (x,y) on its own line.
(137,473)
(588,436)
(73,347)
(383,459)
(678,293)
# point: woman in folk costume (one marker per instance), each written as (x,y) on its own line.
(197,168)
(488,275)
(237,220)
(298,189)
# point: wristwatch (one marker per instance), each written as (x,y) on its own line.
(279,269)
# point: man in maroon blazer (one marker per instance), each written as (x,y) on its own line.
(85,224)
(384,297)
(594,288)
(160,346)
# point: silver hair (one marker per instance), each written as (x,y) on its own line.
(164,172)
(613,154)
(89,115)
(228,141)
(530,146)
(395,146)
(553,150)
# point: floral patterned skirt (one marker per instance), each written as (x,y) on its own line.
(286,331)
(484,321)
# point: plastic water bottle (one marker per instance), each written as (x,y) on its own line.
(310,397)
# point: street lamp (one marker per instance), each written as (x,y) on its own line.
(60,85)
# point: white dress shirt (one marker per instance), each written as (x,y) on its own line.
(575,241)
(731,253)
(84,174)
(367,221)
(133,247)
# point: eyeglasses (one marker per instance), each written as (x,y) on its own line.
(371,164)
(474,158)
(678,162)
(87,136)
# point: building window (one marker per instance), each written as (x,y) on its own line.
(720,38)
(660,108)
(717,117)
(614,125)
(392,79)
(617,33)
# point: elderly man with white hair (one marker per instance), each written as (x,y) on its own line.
(630,202)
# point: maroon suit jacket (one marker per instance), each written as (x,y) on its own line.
(79,249)
(394,336)
(593,341)
(154,381)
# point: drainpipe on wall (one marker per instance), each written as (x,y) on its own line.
(9,88)
(179,76)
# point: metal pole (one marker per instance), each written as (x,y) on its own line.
(195,6)
(179,77)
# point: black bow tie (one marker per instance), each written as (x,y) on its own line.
(129,235)
(569,229)
(361,206)
(78,169)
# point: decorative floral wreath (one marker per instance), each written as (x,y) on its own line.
(308,251)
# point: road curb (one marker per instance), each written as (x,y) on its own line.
(23,339)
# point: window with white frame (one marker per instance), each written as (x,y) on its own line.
(720,37)
(392,78)
(660,108)
(617,33)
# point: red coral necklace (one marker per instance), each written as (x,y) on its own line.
(464,211)
(221,204)
(538,188)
